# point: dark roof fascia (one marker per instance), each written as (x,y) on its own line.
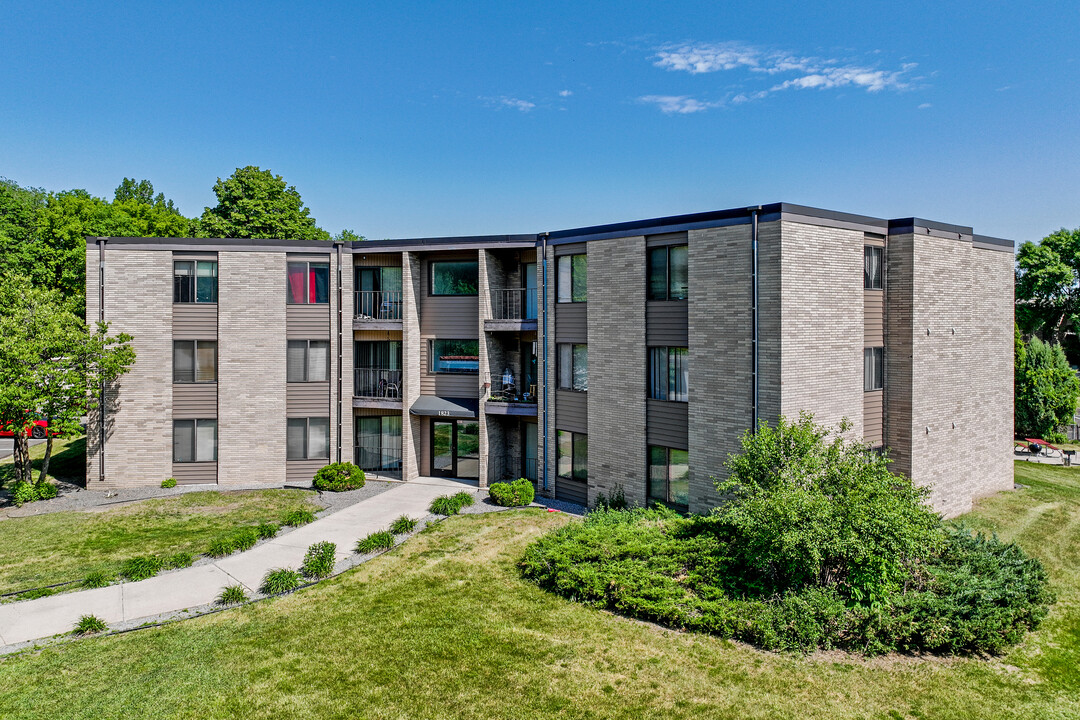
(468,242)
(211,244)
(985,242)
(899,226)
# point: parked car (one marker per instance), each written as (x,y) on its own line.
(36,431)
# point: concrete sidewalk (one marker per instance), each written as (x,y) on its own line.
(195,586)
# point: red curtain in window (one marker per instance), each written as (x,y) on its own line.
(296,283)
(311,286)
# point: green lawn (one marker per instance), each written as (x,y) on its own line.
(44,549)
(68,461)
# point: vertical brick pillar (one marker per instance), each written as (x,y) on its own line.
(411,358)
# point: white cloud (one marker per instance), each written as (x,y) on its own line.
(706,57)
(925,106)
(509,102)
(565,93)
(677,104)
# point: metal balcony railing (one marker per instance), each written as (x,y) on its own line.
(383,460)
(376,383)
(378,305)
(513,304)
(501,391)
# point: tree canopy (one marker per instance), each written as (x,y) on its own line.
(255,203)
(1048,288)
(1046,389)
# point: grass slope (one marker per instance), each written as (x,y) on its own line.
(68,461)
(443,627)
(45,549)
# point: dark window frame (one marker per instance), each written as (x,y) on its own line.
(194,449)
(307,360)
(291,422)
(195,368)
(559,364)
(308,265)
(186,287)
(432,355)
(667,494)
(669,294)
(874,362)
(431,278)
(658,383)
(571,297)
(578,471)
(872,281)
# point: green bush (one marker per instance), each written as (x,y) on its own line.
(381,540)
(319,560)
(232,595)
(516,494)
(88,625)
(451,504)
(168,483)
(1046,389)
(267,530)
(245,538)
(338,477)
(141,568)
(179,560)
(45,490)
(616,501)
(296,518)
(221,547)
(402,525)
(96,579)
(279,580)
(23,492)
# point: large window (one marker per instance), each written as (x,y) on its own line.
(669,374)
(378,442)
(307,439)
(194,361)
(308,361)
(195,281)
(571,280)
(454,277)
(194,441)
(872,266)
(669,476)
(873,368)
(455,356)
(573,366)
(308,283)
(572,455)
(669,276)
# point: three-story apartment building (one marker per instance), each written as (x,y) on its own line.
(630,355)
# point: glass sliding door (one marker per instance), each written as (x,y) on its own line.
(378,443)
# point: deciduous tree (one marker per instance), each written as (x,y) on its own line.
(1046,389)
(1048,287)
(255,203)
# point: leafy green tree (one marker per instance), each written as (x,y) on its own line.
(255,203)
(51,364)
(348,236)
(1046,389)
(142,191)
(19,209)
(1048,286)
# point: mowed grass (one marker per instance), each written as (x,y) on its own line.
(68,461)
(57,547)
(443,627)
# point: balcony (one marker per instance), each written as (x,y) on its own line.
(506,398)
(377,310)
(377,388)
(512,310)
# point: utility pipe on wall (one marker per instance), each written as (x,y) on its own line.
(754,313)
(337,247)
(101,389)
(544,337)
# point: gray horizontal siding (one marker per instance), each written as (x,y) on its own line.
(575,491)
(302,471)
(676,238)
(196,473)
(873,318)
(873,412)
(191,401)
(307,322)
(571,322)
(444,316)
(667,424)
(377,259)
(195,321)
(307,399)
(667,323)
(572,411)
(571,249)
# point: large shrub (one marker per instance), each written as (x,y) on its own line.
(338,477)
(1046,389)
(515,494)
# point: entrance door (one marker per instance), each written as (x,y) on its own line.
(455,448)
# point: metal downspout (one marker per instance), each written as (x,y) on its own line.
(337,247)
(754,312)
(101,388)
(544,336)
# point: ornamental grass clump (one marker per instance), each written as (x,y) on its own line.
(280,580)
(374,542)
(296,518)
(232,595)
(267,530)
(89,625)
(319,560)
(338,477)
(451,504)
(141,568)
(96,579)
(402,525)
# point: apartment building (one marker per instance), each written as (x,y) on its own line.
(630,355)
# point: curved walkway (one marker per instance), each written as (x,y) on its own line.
(191,587)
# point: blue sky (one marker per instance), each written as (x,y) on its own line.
(416,119)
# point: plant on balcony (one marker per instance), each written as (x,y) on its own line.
(515,494)
(338,477)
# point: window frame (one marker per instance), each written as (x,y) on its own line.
(868,277)
(307,361)
(308,264)
(669,378)
(874,361)
(668,496)
(578,471)
(431,278)
(668,293)
(432,355)
(195,368)
(194,449)
(570,296)
(575,350)
(192,282)
(292,422)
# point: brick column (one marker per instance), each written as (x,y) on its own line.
(411,358)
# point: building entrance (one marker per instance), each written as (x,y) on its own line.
(455,448)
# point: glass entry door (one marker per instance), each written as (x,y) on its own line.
(455,448)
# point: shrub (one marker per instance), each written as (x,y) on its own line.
(451,504)
(23,492)
(402,525)
(1046,388)
(232,595)
(45,490)
(88,625)
(141,568)
(168,483)
(96,579)
(516,494)
(221,547)
(279,580)
(267,530)
(381,540)
(179,560)
(338,477)
(319,560)
(296,518)
(617,500)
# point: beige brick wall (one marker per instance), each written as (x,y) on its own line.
(616,341)
(138,301)
(251,367)
(343,407)
(411,425)
(546,451)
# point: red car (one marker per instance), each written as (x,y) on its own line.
(37,430)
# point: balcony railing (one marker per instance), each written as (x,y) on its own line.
(530,468)
(376,383)
(378,305)
(382,460)
(513,304)
(510,392)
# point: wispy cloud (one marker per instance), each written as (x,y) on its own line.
(925,106)
(677,104)
(565,93)
(503,102)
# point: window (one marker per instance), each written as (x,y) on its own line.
(573,367)
(194,441)
(454,277)
(194,361)
(378,442)
(308,361)
(873,368)
(307,439)
(669,476)
(669,276)
(572,455)
(455,356)
(195,281)
(571,281)
(308,283)
(872,257)
(669,374)
(378,293)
